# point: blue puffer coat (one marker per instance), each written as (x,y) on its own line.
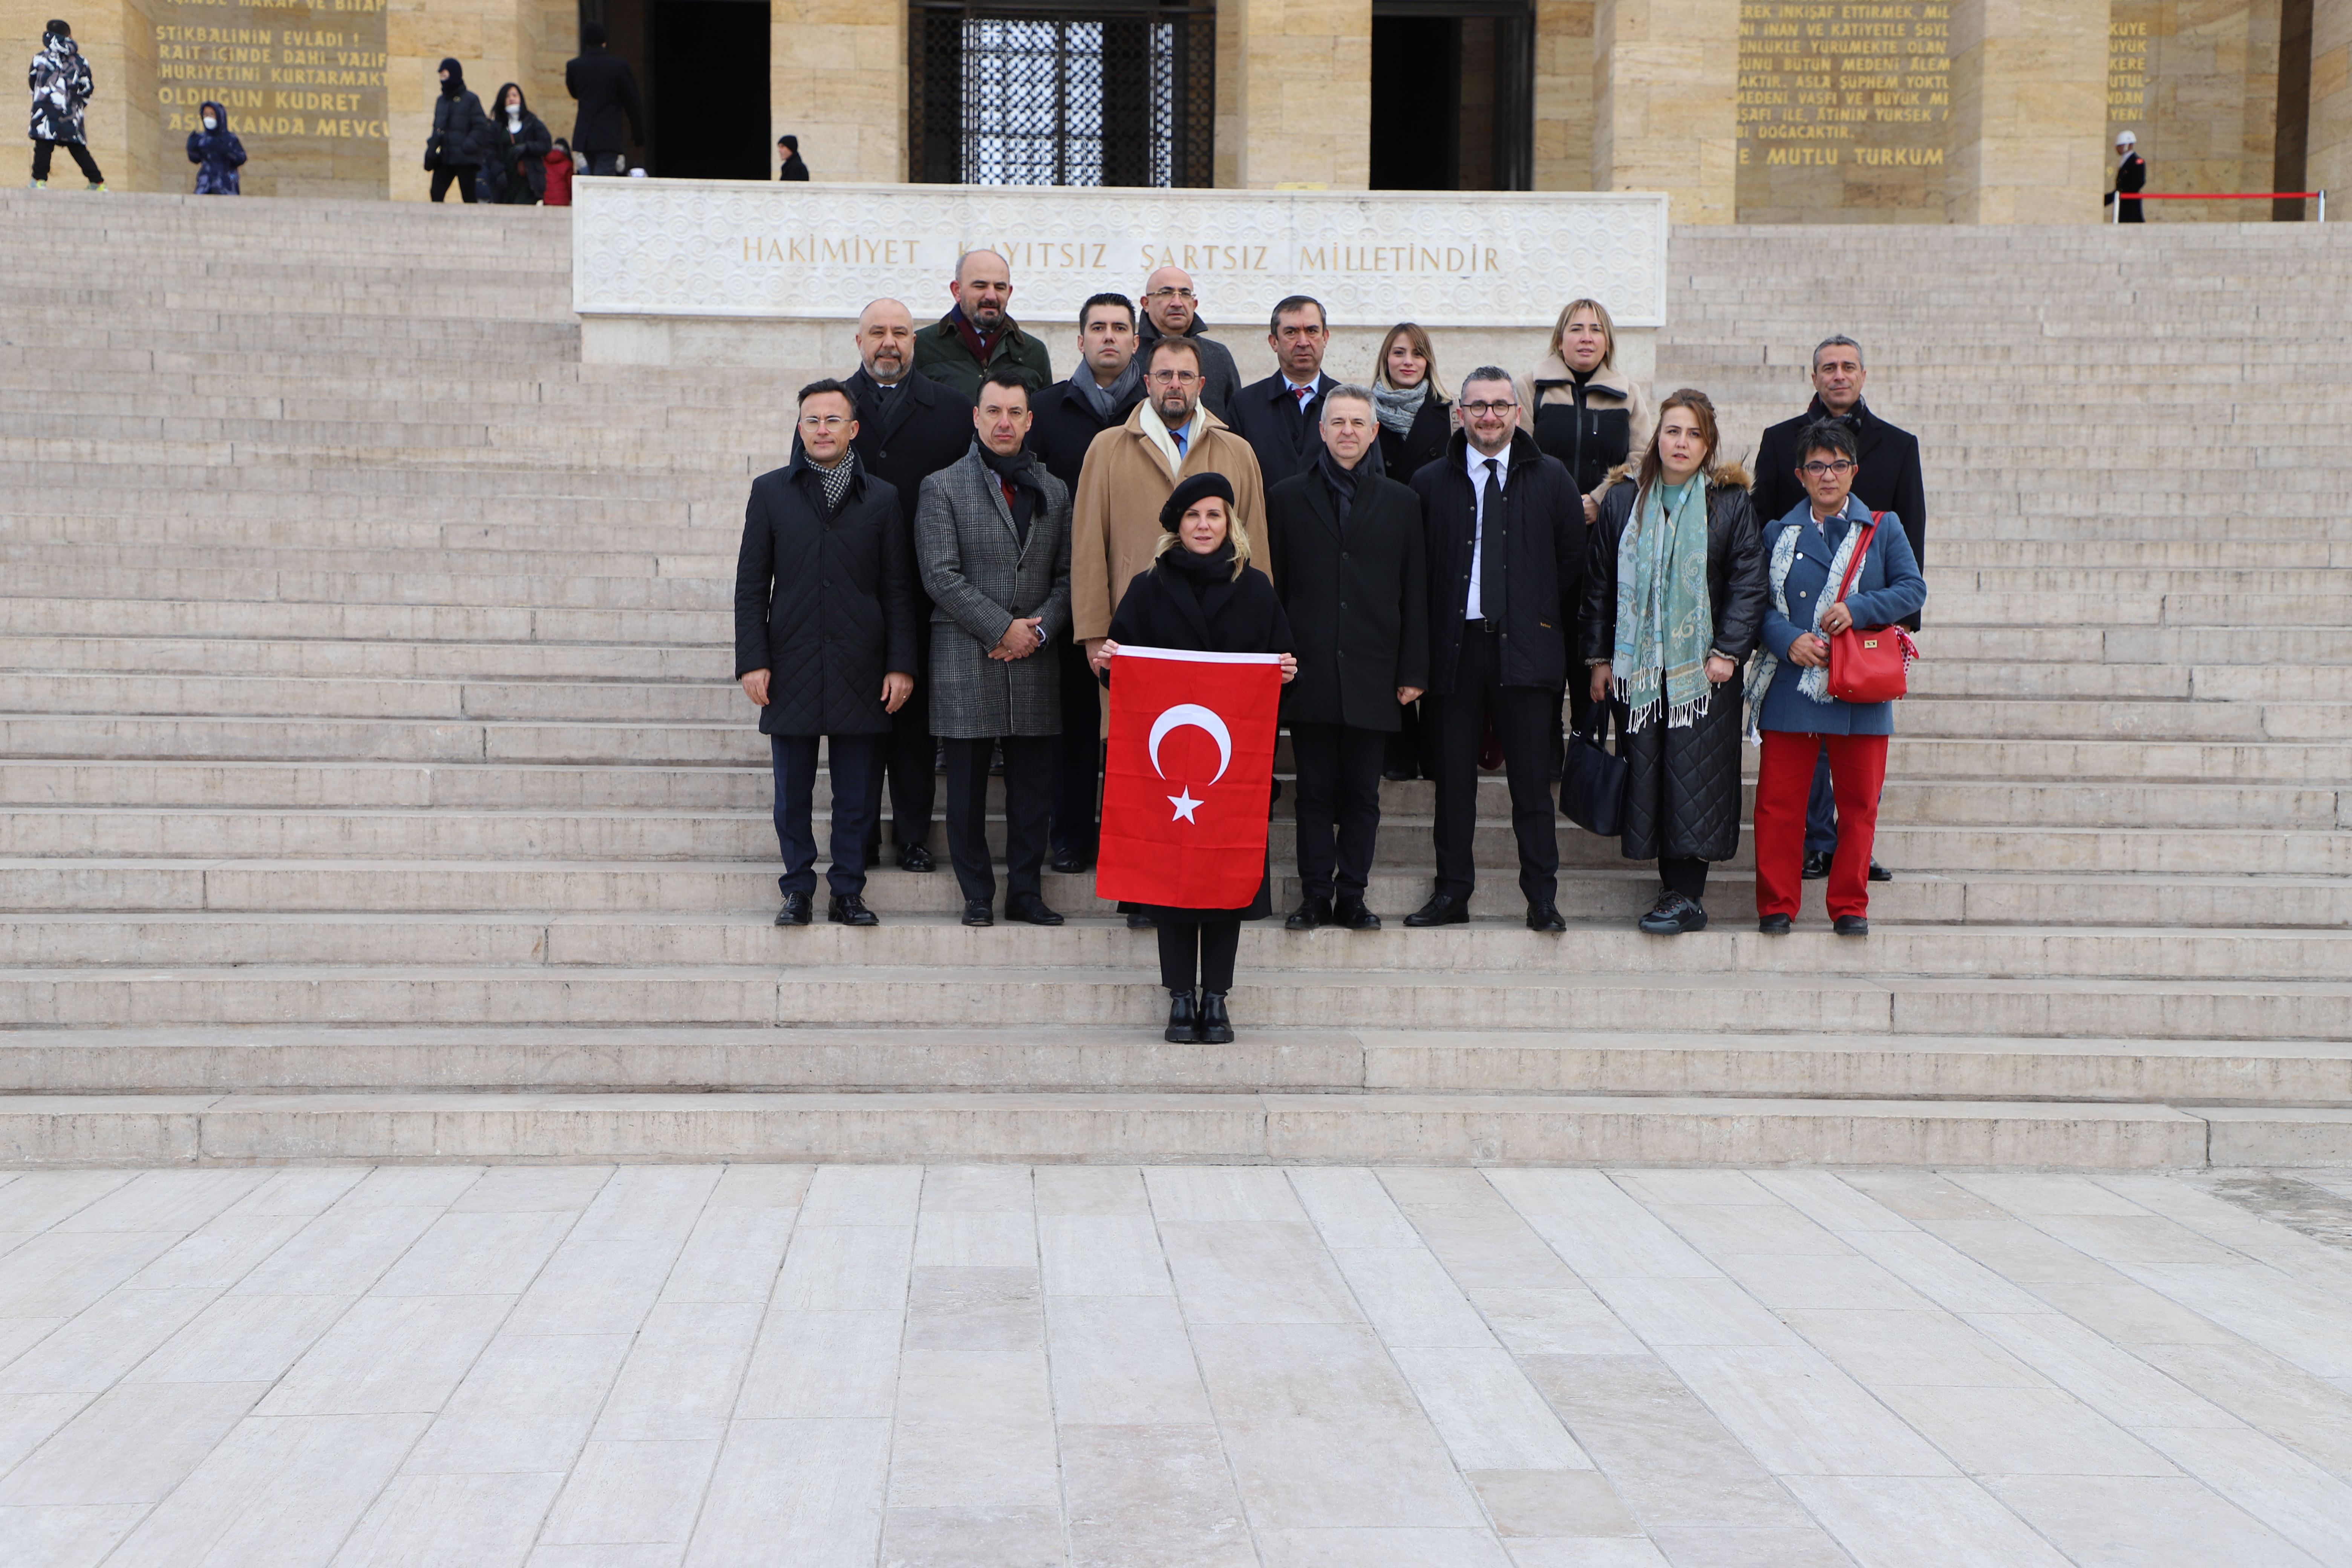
(1886,589)
(216,153)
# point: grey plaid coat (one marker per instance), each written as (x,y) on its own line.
(981,578)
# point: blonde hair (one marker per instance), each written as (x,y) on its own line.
(1600,314)
(1238,536)
(1417,335)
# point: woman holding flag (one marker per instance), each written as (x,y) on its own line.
(1200,595)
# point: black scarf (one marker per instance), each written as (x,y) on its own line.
(1018,474)
(1204,585)
(1343,482)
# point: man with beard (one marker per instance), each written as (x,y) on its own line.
(977,334)
(908,428)
(1171,309)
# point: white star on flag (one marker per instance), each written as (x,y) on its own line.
(1184,804)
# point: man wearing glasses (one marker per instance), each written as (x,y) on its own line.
(1504,528)
(1171,309)
(824,642)
(1888,479)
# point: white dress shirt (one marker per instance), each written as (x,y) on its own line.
(1472,611)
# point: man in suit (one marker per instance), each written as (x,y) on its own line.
(607,93)
(1352,567)
(908,428)
(1889,481)
(992,535)
(789,164)
(2131,178)
(1067,416)
(825,641)
(978,332)
(1278,415)
(1505,529)
(1171,309)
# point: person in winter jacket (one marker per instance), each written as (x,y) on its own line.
(61,85)
(557,191)
(607,93)
(461,136)
(216,152)
(519,144)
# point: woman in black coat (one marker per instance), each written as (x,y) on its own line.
(1416,418)
(1680,742)
(1201,596)
(516,166)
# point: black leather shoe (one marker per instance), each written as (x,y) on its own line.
(1442,909)
(851,911)
(914,858)
(1816,866)
(1216,1026)
(1399,775)
(1879,873)
(1348,910)
(1672,915)
(1853,925)
(1311,913)
(796,912)
(1069,862)
(1545,918)
(976,912)
(1031,909)
(1183,1023)
(1774,925)
(1138,920)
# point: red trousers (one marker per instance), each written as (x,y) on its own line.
(1857,771)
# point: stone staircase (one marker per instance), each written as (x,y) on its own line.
(373,786)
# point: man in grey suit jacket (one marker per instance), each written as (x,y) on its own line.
(992,539)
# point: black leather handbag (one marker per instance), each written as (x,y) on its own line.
(1593,783)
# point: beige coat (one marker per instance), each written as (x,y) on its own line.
(1115,516)
(1609,388)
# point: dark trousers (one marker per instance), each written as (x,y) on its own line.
(853,761)
(1687,877)
(1077,761)
(459,175)
(1338,795)
(1525,718)
(1198,953)
(1028,783)
(1406,752)
(912,763)
(606,163)
(44,150)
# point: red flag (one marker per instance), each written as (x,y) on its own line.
(1187,777)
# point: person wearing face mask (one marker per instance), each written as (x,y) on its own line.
(517,167)
(1674,600)
(216,152)
(461,136)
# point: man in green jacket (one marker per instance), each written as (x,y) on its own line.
(975,337)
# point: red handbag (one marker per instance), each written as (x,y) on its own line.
(1869,664)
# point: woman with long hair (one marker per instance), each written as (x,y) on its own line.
(1673,601)
(1416,419)
(517,170)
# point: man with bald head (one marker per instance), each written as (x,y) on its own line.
(979,333)
(1171,310)
(908,428)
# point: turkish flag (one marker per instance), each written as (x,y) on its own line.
(1187,777)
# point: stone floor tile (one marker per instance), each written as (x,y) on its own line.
(974,1537)
(975,1309)
(1654,1187)
(2263,1306)
(59,1273)
(242,1339)
(1572,1553)
(1801,1416)
(64,1537)
(2119,1521)
(957,1238)
(983,1386)
(1089,1189)
(683,1373)
(2286,1491)
(1910,1349)
(2034,1195)
(299,1193)
(1371,1471)
(1102,1254)
(823,1364)
(2137,1239)
(1553,1321)
(1410,1300)
(667,1556)
(432,1187)
(85,1354)
(846,1268)
(1351,1209)
(1489,1416)
(343,1252)
(1721,1546)
(1230,1271)
(732,1254)
(479,1252)
(1942,1272)
(18,1335)
(388,1354)
(529,1189)
(972,1464)
(794,1494)
(176,1201)
(1597,1228)
(225,1251)
(1402,1547)
(634,1493)
(1764,1226)
(596,1287)
(1122,1361)
(1792,1282)
(29,1420)
(761,1186)
(2027,1257)
(1331,1372)
(1835,1205)
(2022,1431)
(1551,1503)
(1151,1495)
(647,1204)
(863,1195)
(451,1522)
(2310,1414)
(526,1406)
(1215,1193)
(2130,1313)
(1922,1521)
(2124,1386)
(36,1200)
(1694,1312)
(977,1189)
(131,1445)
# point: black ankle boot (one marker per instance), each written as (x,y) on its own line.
(1216,1027)
(1182,1022)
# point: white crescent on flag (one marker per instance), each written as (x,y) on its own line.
(1201,718)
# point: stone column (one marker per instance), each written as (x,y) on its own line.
(2327,147)
(837,79)
(1295,94)
(1666,80)
(1563,95)
(495,41)
(2028,110)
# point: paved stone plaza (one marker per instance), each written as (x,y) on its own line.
(1005,1366)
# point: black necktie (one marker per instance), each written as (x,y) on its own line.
(1490,544)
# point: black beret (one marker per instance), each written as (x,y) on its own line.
(1197,488)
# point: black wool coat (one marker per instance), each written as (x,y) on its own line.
(519,159)
(1543,562)
(827,606)
(1356,598)
(1283,438)
(1408,454)
(1682,789)
(1065,424)
(903,438)
(608,91)
(1888,480)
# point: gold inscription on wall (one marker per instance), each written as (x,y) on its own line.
(2126,71)
(1403,259)
(1843,105)
(303,85)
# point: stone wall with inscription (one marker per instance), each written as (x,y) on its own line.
(1842,110)
(2198,83)
(303,84)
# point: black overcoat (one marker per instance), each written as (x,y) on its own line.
(826,605)
(1407,454)
(903,438)
(1064,424)
(1285,438)
(1682,788)
(608,91)
(1357,599)
(1888,480)
(1543,562)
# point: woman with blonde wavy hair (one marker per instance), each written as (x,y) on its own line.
(1416,419)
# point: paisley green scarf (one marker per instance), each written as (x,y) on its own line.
(1664,619)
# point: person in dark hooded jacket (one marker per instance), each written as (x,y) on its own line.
(517,166)
(216,152)
(461,136)
(61,86)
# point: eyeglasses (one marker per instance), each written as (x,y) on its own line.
(1175,377)
(1483,409)
(1169,294)
(1815,470)
(821,422)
